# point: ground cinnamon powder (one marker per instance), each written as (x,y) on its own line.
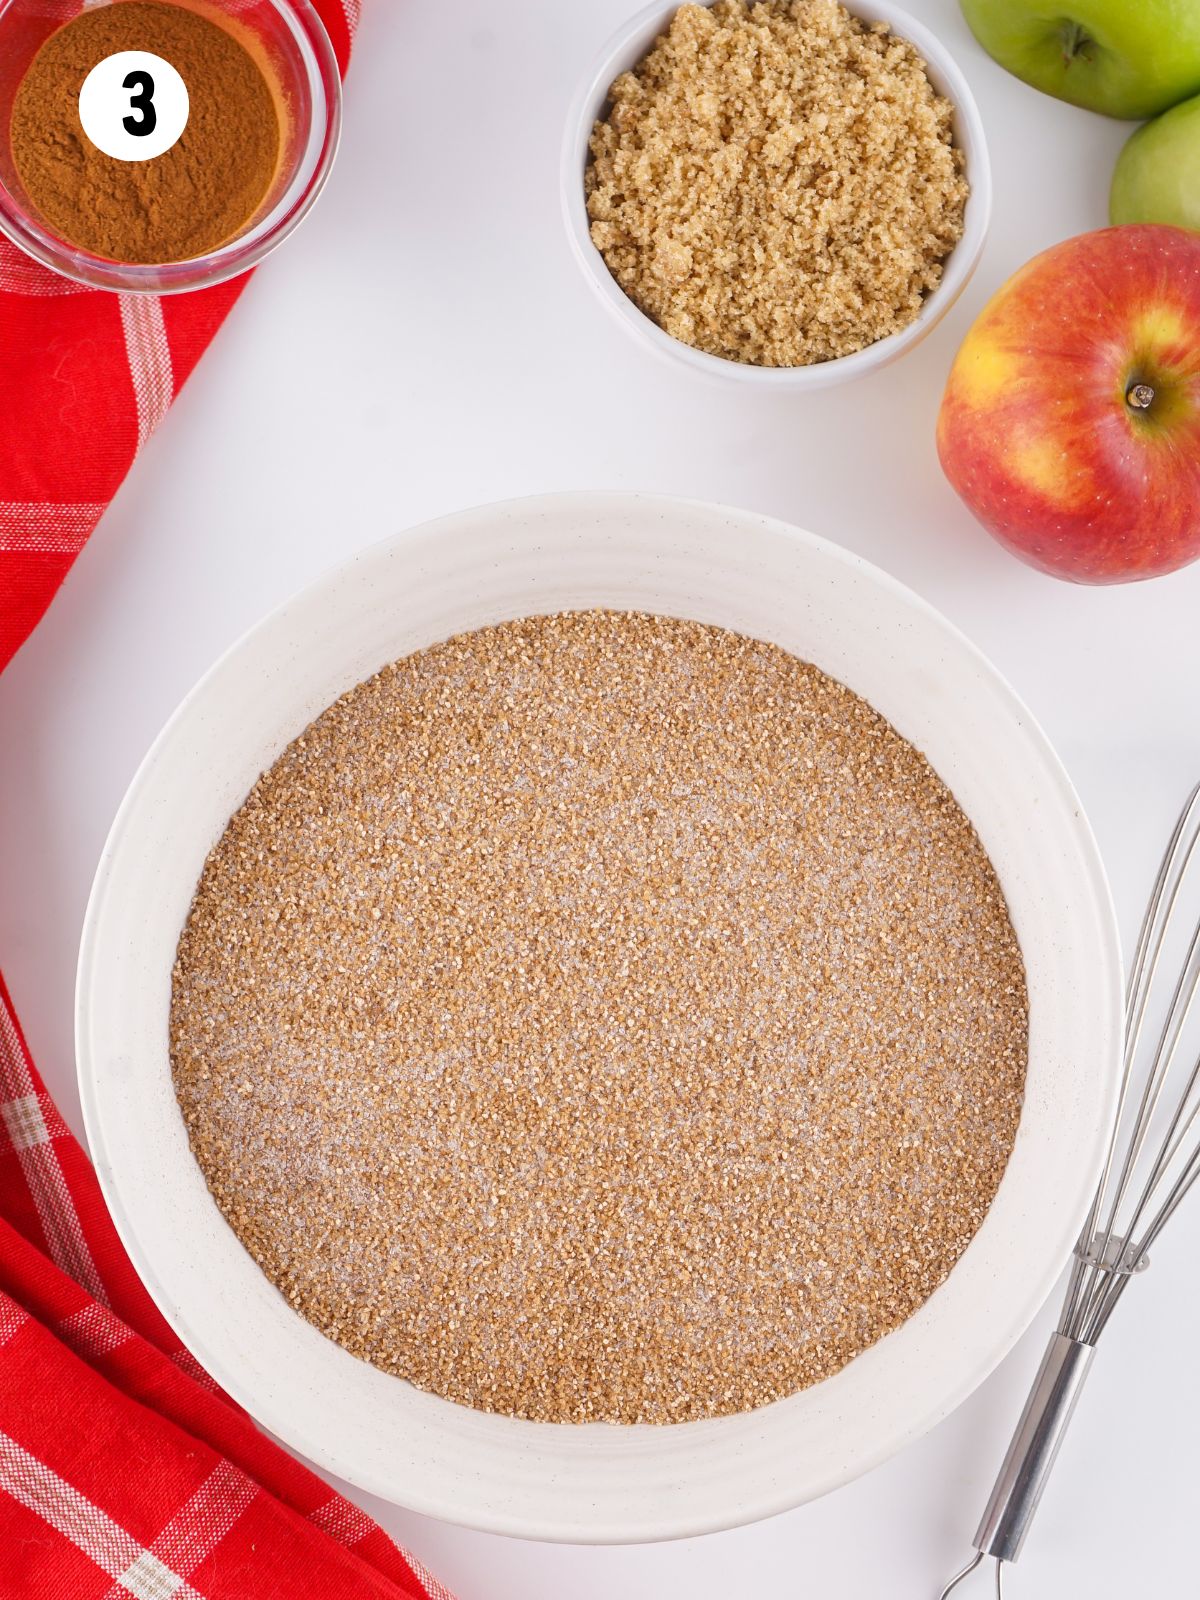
(180,204)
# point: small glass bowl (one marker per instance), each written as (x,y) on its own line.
(290,44)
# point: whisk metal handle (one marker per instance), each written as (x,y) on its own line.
(1034,1447)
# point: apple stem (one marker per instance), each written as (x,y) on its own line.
(1076,41)
(1140,396)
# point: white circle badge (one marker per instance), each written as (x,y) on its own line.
(133,105)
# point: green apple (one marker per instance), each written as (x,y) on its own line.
(1157,178)
(1127,58)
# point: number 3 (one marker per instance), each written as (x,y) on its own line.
(141,102)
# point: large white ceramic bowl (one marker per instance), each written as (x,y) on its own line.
(596,1482)
(624,50)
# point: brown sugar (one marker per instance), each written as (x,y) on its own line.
(776,183)
(601,1016)
(177,205)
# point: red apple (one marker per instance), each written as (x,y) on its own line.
(1071,420)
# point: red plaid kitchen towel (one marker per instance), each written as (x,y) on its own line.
(86,377)
(124,1471)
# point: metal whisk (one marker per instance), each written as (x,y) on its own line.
(1152,1162)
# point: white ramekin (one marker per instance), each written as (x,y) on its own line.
(627,46)
(596,1483)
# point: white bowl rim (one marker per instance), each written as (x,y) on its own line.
(1060,1231)
(958,268)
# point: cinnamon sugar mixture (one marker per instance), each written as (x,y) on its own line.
(601,1016)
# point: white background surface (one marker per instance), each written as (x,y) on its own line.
(426,342)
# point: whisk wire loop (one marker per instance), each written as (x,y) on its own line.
(1095,1283)
(1146,1176)
(961,1577)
